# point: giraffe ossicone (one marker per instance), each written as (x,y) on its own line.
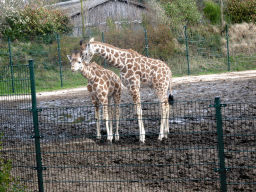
(103,85)
(137,70)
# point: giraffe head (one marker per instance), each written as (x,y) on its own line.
(76,60)
(88,50)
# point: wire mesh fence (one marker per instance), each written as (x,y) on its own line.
(187,51)
(60,143)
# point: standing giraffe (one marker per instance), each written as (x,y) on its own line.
(137,70)
(103,85)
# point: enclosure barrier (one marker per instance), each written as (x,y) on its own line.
(210,147)
(196,53)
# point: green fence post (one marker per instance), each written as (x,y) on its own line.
(222,169)
(103,41)
(146,42)
(227,48)
(187,48)
(58,41)
(37,136)
(10,56)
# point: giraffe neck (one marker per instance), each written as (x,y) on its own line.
(112,55)
(87,72)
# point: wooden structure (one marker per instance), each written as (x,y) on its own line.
(96,13)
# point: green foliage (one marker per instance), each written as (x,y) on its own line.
(183,12)
(35,22)
(241,10)
(7,182)
(212,12)
(160,41)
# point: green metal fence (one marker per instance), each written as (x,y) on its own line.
(195,52)
(210,147)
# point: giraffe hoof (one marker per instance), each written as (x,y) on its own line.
(161,136)
(117,137)
(110,138)
(142,138)
(98,137)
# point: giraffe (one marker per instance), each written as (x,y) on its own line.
(103,85)
(137,70)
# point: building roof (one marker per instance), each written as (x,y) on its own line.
(73,7)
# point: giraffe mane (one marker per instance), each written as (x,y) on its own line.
(108,45)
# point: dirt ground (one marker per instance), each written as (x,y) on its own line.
(231,87)
(76,161)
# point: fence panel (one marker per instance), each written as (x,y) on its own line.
(76,161)
(239,126)
(16,123)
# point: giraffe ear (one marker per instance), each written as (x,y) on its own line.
(91,40)
(69,57)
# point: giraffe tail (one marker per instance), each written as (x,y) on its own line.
(170,96)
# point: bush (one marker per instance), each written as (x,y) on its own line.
(7,182)
(212,12)
(183,12)
(35,22)
(241,10)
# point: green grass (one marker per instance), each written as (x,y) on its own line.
(51,80)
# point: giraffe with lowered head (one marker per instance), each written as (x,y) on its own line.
(137,70)
(103,85)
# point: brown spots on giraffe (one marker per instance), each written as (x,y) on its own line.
(105,78)
(129,60)
(98,73)
(124,70)
(104,94)
(159,76)
(89,87)
(128,56)
(129,66)
(94,87)
(101,82)
(111,90)
(116,55)
(108,50)
(116,86)
(113,61)
(129,74)
(138,73)
(112,52)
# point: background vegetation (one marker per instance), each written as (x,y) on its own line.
(8,182)
(32,32)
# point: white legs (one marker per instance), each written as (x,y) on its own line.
(140,121)
(108,117)
(97,116)
(109,114)
(164,127)
(117,111)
